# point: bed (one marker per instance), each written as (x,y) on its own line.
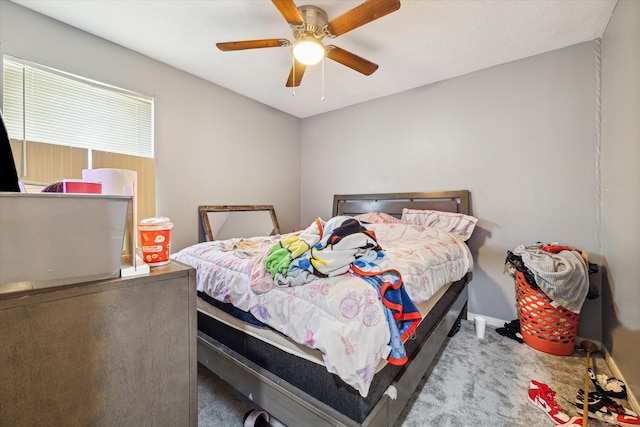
(283,377)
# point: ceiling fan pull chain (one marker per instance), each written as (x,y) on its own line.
(293,74)
(322,95)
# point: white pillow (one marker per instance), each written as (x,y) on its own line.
(452,222)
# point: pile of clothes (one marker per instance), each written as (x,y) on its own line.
(561,272)
(339,245)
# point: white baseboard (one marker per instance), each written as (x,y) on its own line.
(633,401)
(493,321)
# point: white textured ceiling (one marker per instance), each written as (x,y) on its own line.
(423,42)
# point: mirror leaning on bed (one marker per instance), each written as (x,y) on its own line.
(220,222)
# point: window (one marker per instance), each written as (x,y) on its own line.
(60,124)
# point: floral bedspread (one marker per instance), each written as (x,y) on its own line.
(341,316)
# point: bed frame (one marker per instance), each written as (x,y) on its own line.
(293,406)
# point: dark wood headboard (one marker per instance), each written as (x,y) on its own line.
(393,203)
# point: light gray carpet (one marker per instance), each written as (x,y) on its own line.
(475,382)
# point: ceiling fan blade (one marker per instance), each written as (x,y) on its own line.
(289,12)
(351,60)
(297,71)
(366,12)
(252,44)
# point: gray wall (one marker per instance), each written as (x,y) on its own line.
(620,188)
(521,137)
(213,146)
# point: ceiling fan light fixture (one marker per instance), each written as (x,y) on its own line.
(308,51)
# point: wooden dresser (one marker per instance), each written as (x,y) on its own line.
(118,352)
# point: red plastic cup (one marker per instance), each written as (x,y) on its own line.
(155,240)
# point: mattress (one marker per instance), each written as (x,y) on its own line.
(276,339)
(344,306)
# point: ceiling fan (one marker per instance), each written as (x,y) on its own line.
(310,26)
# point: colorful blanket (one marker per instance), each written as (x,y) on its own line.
(339,245)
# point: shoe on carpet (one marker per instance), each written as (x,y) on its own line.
(603,408)
(595,407)
(610,386)
(543,397)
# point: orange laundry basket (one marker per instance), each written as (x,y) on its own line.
(543,326)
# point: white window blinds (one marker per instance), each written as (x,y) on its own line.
(49,106)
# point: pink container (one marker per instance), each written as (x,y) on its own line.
(155,240)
